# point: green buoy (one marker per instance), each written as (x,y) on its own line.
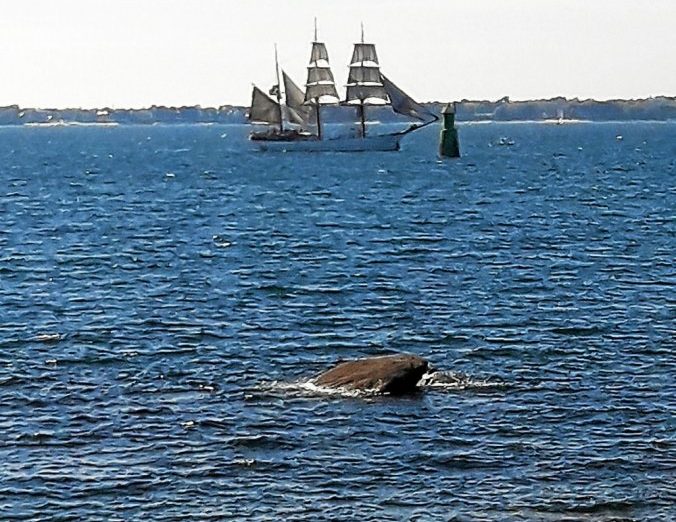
(449,145)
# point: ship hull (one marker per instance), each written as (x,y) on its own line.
(389,142)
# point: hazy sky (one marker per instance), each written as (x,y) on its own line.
(133,53)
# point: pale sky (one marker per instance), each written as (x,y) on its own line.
(134,53)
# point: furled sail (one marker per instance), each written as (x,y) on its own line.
(295,99)
(404,104)
(263,108)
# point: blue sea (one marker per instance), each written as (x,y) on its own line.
(166,290)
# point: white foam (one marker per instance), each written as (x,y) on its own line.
(438,380)
(452,380)
(310,388)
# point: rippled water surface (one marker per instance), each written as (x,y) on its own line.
(162,288)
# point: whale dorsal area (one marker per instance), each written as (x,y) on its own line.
(393,374)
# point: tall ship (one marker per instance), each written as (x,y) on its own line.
(296,120)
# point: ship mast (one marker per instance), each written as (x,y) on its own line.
(320,81)
(362,119)
(279,94)
(364,84)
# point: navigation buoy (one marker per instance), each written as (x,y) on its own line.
(449,145)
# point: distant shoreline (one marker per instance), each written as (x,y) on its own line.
(660,108)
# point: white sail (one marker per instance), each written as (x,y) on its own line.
(298,112)
(320,82)
(319,87)
(263,108)
(404,104)
(315,92)
(364,86)
(363,73)
(320,74)
(364,52)
(318,53)
(295,117)
(366,94)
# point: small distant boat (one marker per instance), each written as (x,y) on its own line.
(504,141)
(294,119)
(561,119)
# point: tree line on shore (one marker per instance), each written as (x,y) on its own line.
(659,108)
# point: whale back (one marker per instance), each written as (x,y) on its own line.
(392,374)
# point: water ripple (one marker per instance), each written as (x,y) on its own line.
(167,295)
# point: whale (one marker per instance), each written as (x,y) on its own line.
(397,374)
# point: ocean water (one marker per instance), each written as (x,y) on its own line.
(164,290)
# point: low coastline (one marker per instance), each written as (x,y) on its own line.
(660,108)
